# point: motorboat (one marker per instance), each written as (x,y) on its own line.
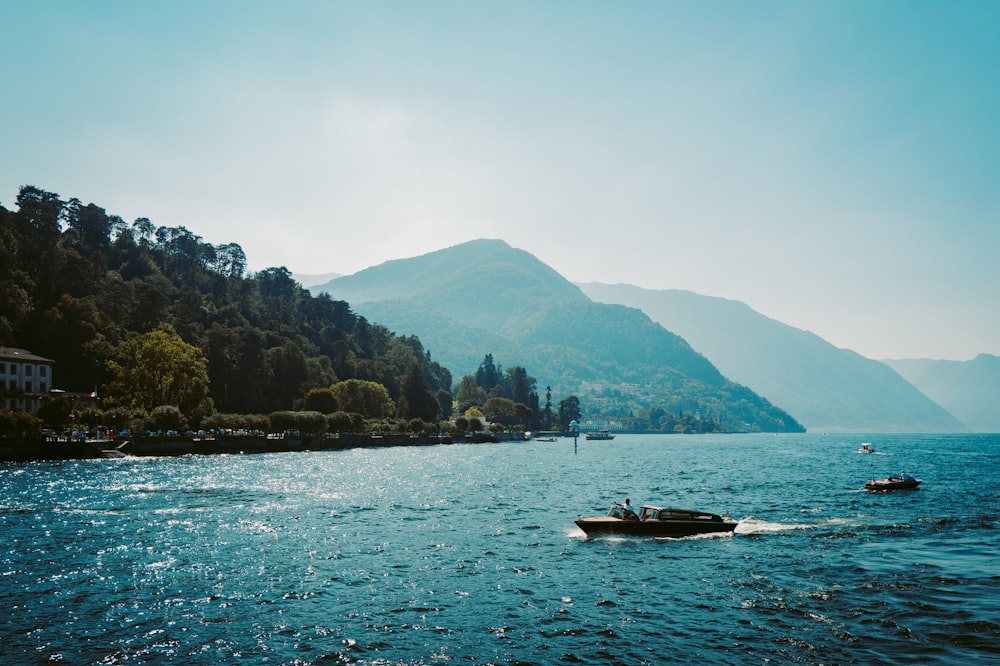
(866,448)
(893,483)
(654,521)
(600,434)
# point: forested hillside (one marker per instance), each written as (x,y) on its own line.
(485,295)
(87,289)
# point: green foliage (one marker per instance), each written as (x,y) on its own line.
(339,422)
(368,398)
(569,410)
(306,423)
(320,400)
(507,398)
(250,423)
(507,412)
(470,394)
(488,375)
(81,286)
(19,425)
(417,426)
(165,418)
(54,411)
(417,401)
(158,369)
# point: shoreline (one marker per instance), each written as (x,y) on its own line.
(49,450)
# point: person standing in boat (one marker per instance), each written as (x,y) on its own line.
(904,476)
(627,512)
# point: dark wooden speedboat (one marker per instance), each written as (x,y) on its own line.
(892,483)
(655,521)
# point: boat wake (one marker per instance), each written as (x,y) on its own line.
(751,525)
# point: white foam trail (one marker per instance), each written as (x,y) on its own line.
(754,526)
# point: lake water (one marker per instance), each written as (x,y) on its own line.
(467,554)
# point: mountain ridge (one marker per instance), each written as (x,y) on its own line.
(829,389)
(489,294)
(968,389)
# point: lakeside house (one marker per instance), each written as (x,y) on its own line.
(24,379)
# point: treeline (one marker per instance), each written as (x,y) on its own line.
(511,399)
(152,317)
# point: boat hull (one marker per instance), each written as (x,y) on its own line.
(606,525)
(895,484)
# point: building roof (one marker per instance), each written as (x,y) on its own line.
(22,356)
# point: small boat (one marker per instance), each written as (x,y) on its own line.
(654,521)
(544,439)
(893,483)
(600,434)
(866,448)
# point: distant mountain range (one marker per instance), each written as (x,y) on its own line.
(486,297)
(968,389)
(826,388)
(621,345)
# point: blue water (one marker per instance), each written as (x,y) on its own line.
(468,554)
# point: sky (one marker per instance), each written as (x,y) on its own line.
(834,164)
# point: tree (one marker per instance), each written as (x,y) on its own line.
(569,410)
(54,410)
(489,374)
(367,398)
(547,410)
(506,412)
(519,385)
(320,400)
(39,211)
(289,372)
(417,401)
(470,394)
(165,418)
(159,368)
(338,422)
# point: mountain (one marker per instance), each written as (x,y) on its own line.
(968,389)
(485,297)
(828,389)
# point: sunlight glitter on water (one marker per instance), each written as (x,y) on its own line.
(405,556)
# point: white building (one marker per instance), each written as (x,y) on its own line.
(24,379)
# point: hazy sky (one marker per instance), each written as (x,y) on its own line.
(835,165)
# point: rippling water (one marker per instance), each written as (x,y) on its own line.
(468,554)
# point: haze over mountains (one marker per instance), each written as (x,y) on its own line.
(485,296)
(828,389)
(968,389)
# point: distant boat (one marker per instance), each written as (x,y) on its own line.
(600,434)
(866,447)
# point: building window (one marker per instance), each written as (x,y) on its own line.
(28,370)
(42,371)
